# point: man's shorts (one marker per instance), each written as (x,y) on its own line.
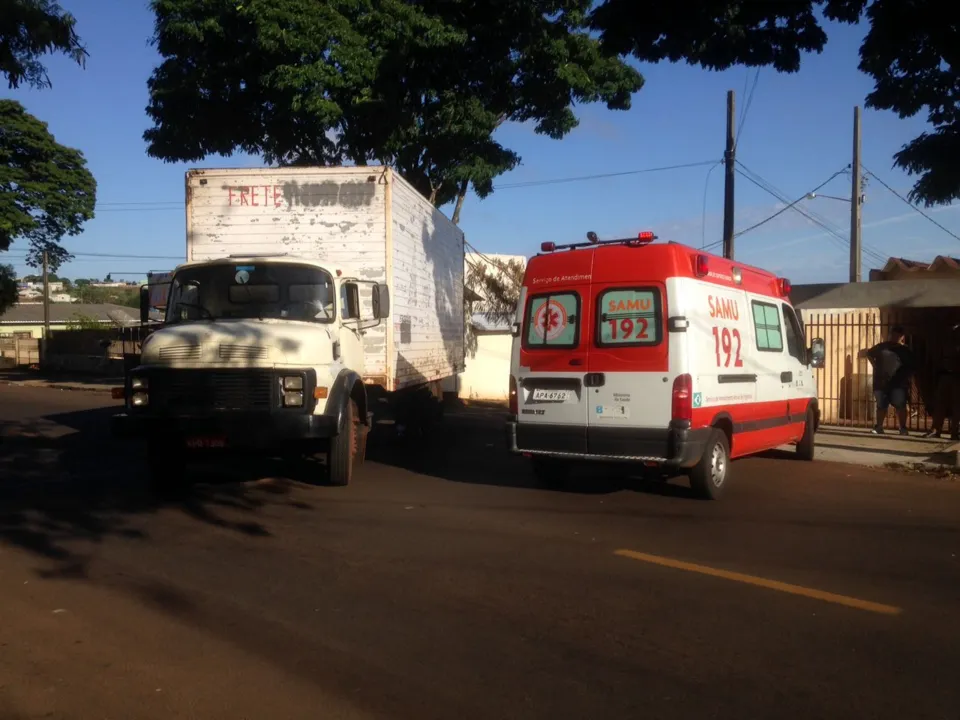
(894,396)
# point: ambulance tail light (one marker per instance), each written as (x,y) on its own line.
(702,267)
(548,247)
(784,287)
(514,403)
(683,398)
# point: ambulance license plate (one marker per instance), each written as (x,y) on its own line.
(544,395)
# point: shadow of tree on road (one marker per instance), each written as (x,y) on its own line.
(67,485)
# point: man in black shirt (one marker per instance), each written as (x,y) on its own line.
(892,367)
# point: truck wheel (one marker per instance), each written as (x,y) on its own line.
(807,444)
(550,472)
(708,477)
(343,449)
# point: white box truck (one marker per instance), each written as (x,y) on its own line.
(309,295)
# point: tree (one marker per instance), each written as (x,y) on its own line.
(419,86)
(498,282)
(911,51)
(30,29)
(46,190)
(9,293)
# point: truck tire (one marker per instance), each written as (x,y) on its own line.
(550,472)
(807,445)
(708,477)
(343,448)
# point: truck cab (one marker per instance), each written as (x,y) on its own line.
(255,353)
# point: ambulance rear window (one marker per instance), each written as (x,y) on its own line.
(629,317)
(552,321)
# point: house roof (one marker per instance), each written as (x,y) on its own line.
(32,313)
(940,262)
(878,294)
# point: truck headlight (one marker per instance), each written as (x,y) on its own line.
(293,382)
(139,382)
(139,399)
(293,398)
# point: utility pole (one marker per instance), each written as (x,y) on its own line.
(46,309)
(856,195)
(729,159)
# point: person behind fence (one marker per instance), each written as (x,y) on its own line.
(947,395)
(893,365)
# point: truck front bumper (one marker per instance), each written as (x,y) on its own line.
(671,448)
(254,431)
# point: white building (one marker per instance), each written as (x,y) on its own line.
(487,372)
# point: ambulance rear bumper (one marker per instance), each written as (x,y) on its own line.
(673,447)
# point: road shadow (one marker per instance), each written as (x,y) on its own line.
(66,485)
(472,448)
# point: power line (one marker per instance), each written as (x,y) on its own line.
(834,234)
(664,168)
(914,207)
(748,101)
(703,219)
(790,206)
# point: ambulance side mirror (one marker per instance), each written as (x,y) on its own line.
(817,353)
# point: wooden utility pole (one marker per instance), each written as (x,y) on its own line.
(855,200)
(729,159)
(46,309)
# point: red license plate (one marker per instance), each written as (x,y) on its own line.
(206,442)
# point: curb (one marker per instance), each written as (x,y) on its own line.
(57,386)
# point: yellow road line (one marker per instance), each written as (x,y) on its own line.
(763,582)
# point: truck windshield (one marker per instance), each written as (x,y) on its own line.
(245,290)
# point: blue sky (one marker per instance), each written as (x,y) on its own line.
(797,134)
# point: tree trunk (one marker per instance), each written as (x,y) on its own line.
(433,196)
(461,196)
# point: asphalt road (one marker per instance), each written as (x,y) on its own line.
(445,584)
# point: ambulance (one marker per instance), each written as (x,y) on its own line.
(659,355)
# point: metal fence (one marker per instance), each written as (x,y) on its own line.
(845,383)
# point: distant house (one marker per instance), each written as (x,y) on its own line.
(941,267)
(851,317)
(28,317)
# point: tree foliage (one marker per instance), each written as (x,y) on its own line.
(419,86)
(911,51)
(8,288)
(46,190)
(30,29)
(498,282)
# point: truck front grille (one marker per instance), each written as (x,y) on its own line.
(212,390)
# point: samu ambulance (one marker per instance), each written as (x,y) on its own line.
(661,355)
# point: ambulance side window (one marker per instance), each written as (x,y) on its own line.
(552,321)
(766,323)
(795,342)
(628,317)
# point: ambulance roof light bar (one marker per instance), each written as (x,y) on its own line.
(643,238)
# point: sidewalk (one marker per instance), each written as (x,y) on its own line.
(859,446)
(34,378)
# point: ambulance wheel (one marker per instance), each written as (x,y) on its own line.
(708,477)
(343,448)
(550,472)
(807,444)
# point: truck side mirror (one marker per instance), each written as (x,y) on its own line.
(144,304)
(381,302)
(818,353)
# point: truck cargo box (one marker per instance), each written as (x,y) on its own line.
(364,222)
